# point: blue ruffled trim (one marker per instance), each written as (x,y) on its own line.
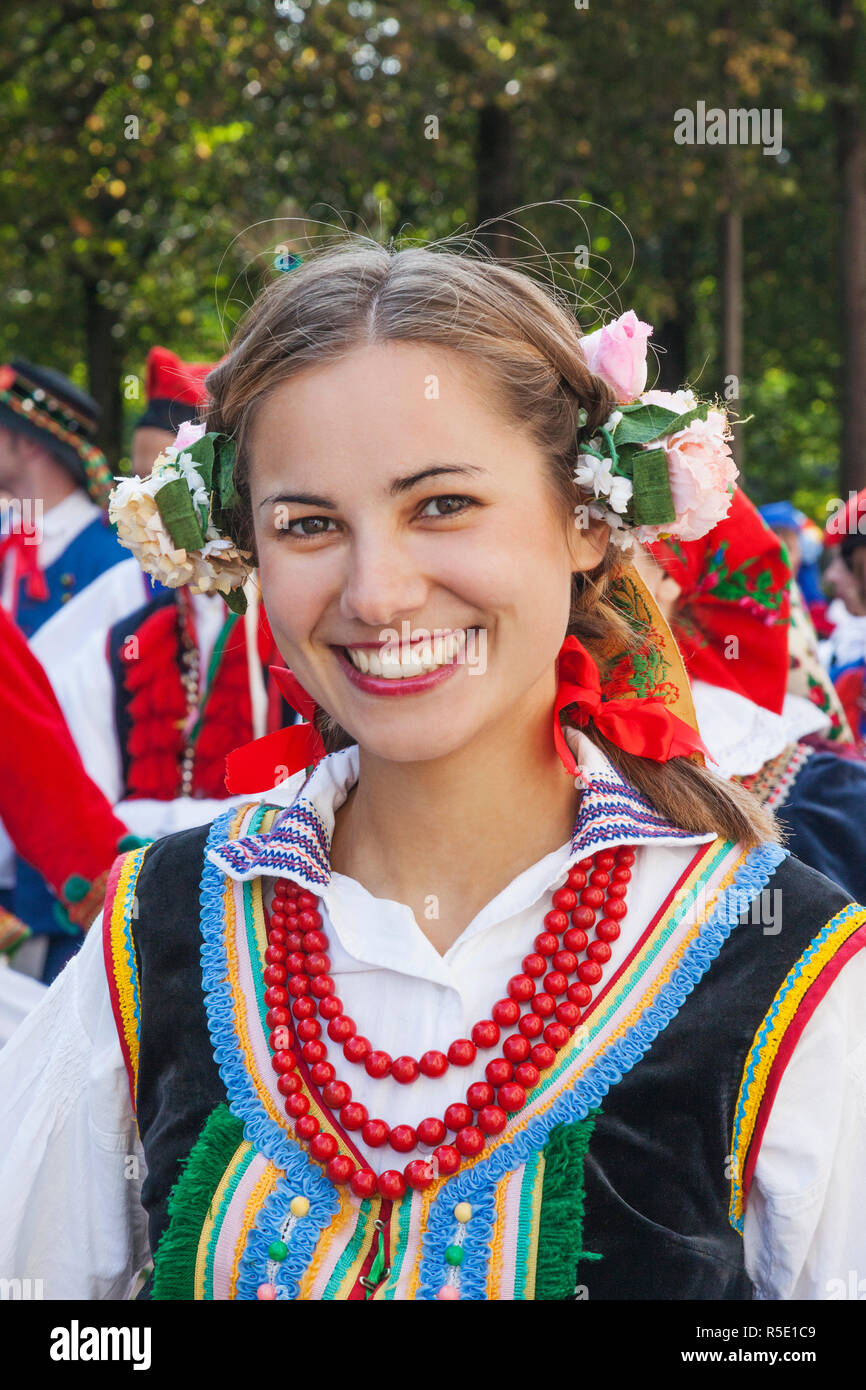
(476,1184)
(270,1139)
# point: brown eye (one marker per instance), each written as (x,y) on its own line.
(449,505)
(308,526)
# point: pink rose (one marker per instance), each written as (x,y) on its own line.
(189,433)
(702,471)
(617,353)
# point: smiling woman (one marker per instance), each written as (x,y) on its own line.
(475,1007)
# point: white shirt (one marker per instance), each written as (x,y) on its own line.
(742,735)
(69,1215)
(57,528)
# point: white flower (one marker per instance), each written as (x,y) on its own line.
(593,473)
(620,493)
(613,421)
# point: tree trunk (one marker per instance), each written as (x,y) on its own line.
(671,336)
(496,178)
(104,368)
(732,317)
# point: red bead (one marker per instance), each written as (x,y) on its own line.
(276,995)
(531,1025)
(280,888)
(323,1147)
(306,1127)
(605,860)
(294,939)
(375,1133)
(309,921)
(341,1028)
(589,972)
(569,1014)
(521,988)
(275,955)
(305,900)
(583,917)
(284,1061)
(543,1055)
(378,1064)
(431,1132)
(314,1051)
(353,1115)
(616,908)
(434,1063)
(534,965)
(363,1182)
(298,985)
(486,1033)
(309,1028)
(317,964)
(599,879)
(278,1018)
(447,1159)
(405,1070)
(391,1184)
(320,985)
(458,1115)
(556,921)
(564,899)
(295,962)
(579,994)
(480,1093)
(505,1011)
(469,1141)
(621,876)
(543,1005)
(557,1035)
(322,1074)
(282,1039)
(511,1097)
(403,1139)
(336,1094)
(296,1106)
(289,1083)
(575,939)
(617,890)
(462,1052)
(556,982)
(592,897)
(331,1006)
(625,857)
(516,1048)
(491,1120)
(547,942)
(419,1173)
(576,878)
(340,1168)
(586,864)
(566,961)
(277,934)
(526,1075)
(498,1071)
(356,1048)
(607,929)
(303,1008)
(598,951)
(315,941)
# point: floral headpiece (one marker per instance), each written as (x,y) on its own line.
(660,465)
(175,521)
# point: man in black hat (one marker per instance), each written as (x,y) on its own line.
(54,485)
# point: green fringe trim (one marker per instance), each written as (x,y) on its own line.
(189,1204)
(560,1228)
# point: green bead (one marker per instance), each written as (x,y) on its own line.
(454,1254)
(277,1250)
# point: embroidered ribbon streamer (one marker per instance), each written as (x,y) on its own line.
(641,725)
(257,765)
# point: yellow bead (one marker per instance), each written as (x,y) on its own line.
(299,1206)
(463,1212)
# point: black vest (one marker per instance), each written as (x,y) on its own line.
(657,1171)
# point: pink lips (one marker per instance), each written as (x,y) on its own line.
(380,685)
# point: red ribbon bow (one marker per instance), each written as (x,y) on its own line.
(27,567)
(643,725)
(259,764)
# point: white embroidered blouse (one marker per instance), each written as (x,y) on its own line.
(72,1165)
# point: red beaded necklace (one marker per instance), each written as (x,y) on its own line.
(296,969)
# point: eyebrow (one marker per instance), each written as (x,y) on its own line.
(395,489)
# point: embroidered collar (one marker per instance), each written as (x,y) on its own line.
(612,812)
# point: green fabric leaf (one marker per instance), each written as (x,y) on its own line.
(225,473)
(653,503)
(175,505)
(641,426)
(202,455)
(236,600)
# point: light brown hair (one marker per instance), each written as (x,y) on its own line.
(357,293)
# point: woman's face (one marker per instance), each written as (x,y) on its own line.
(401,518)
(848,584)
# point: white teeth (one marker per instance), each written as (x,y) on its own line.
(402,662)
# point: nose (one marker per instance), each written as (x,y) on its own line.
(383,582)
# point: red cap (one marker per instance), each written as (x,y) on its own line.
(170,378)
(849,520)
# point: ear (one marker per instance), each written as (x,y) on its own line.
(588,540)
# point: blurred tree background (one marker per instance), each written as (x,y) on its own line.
(150,156)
